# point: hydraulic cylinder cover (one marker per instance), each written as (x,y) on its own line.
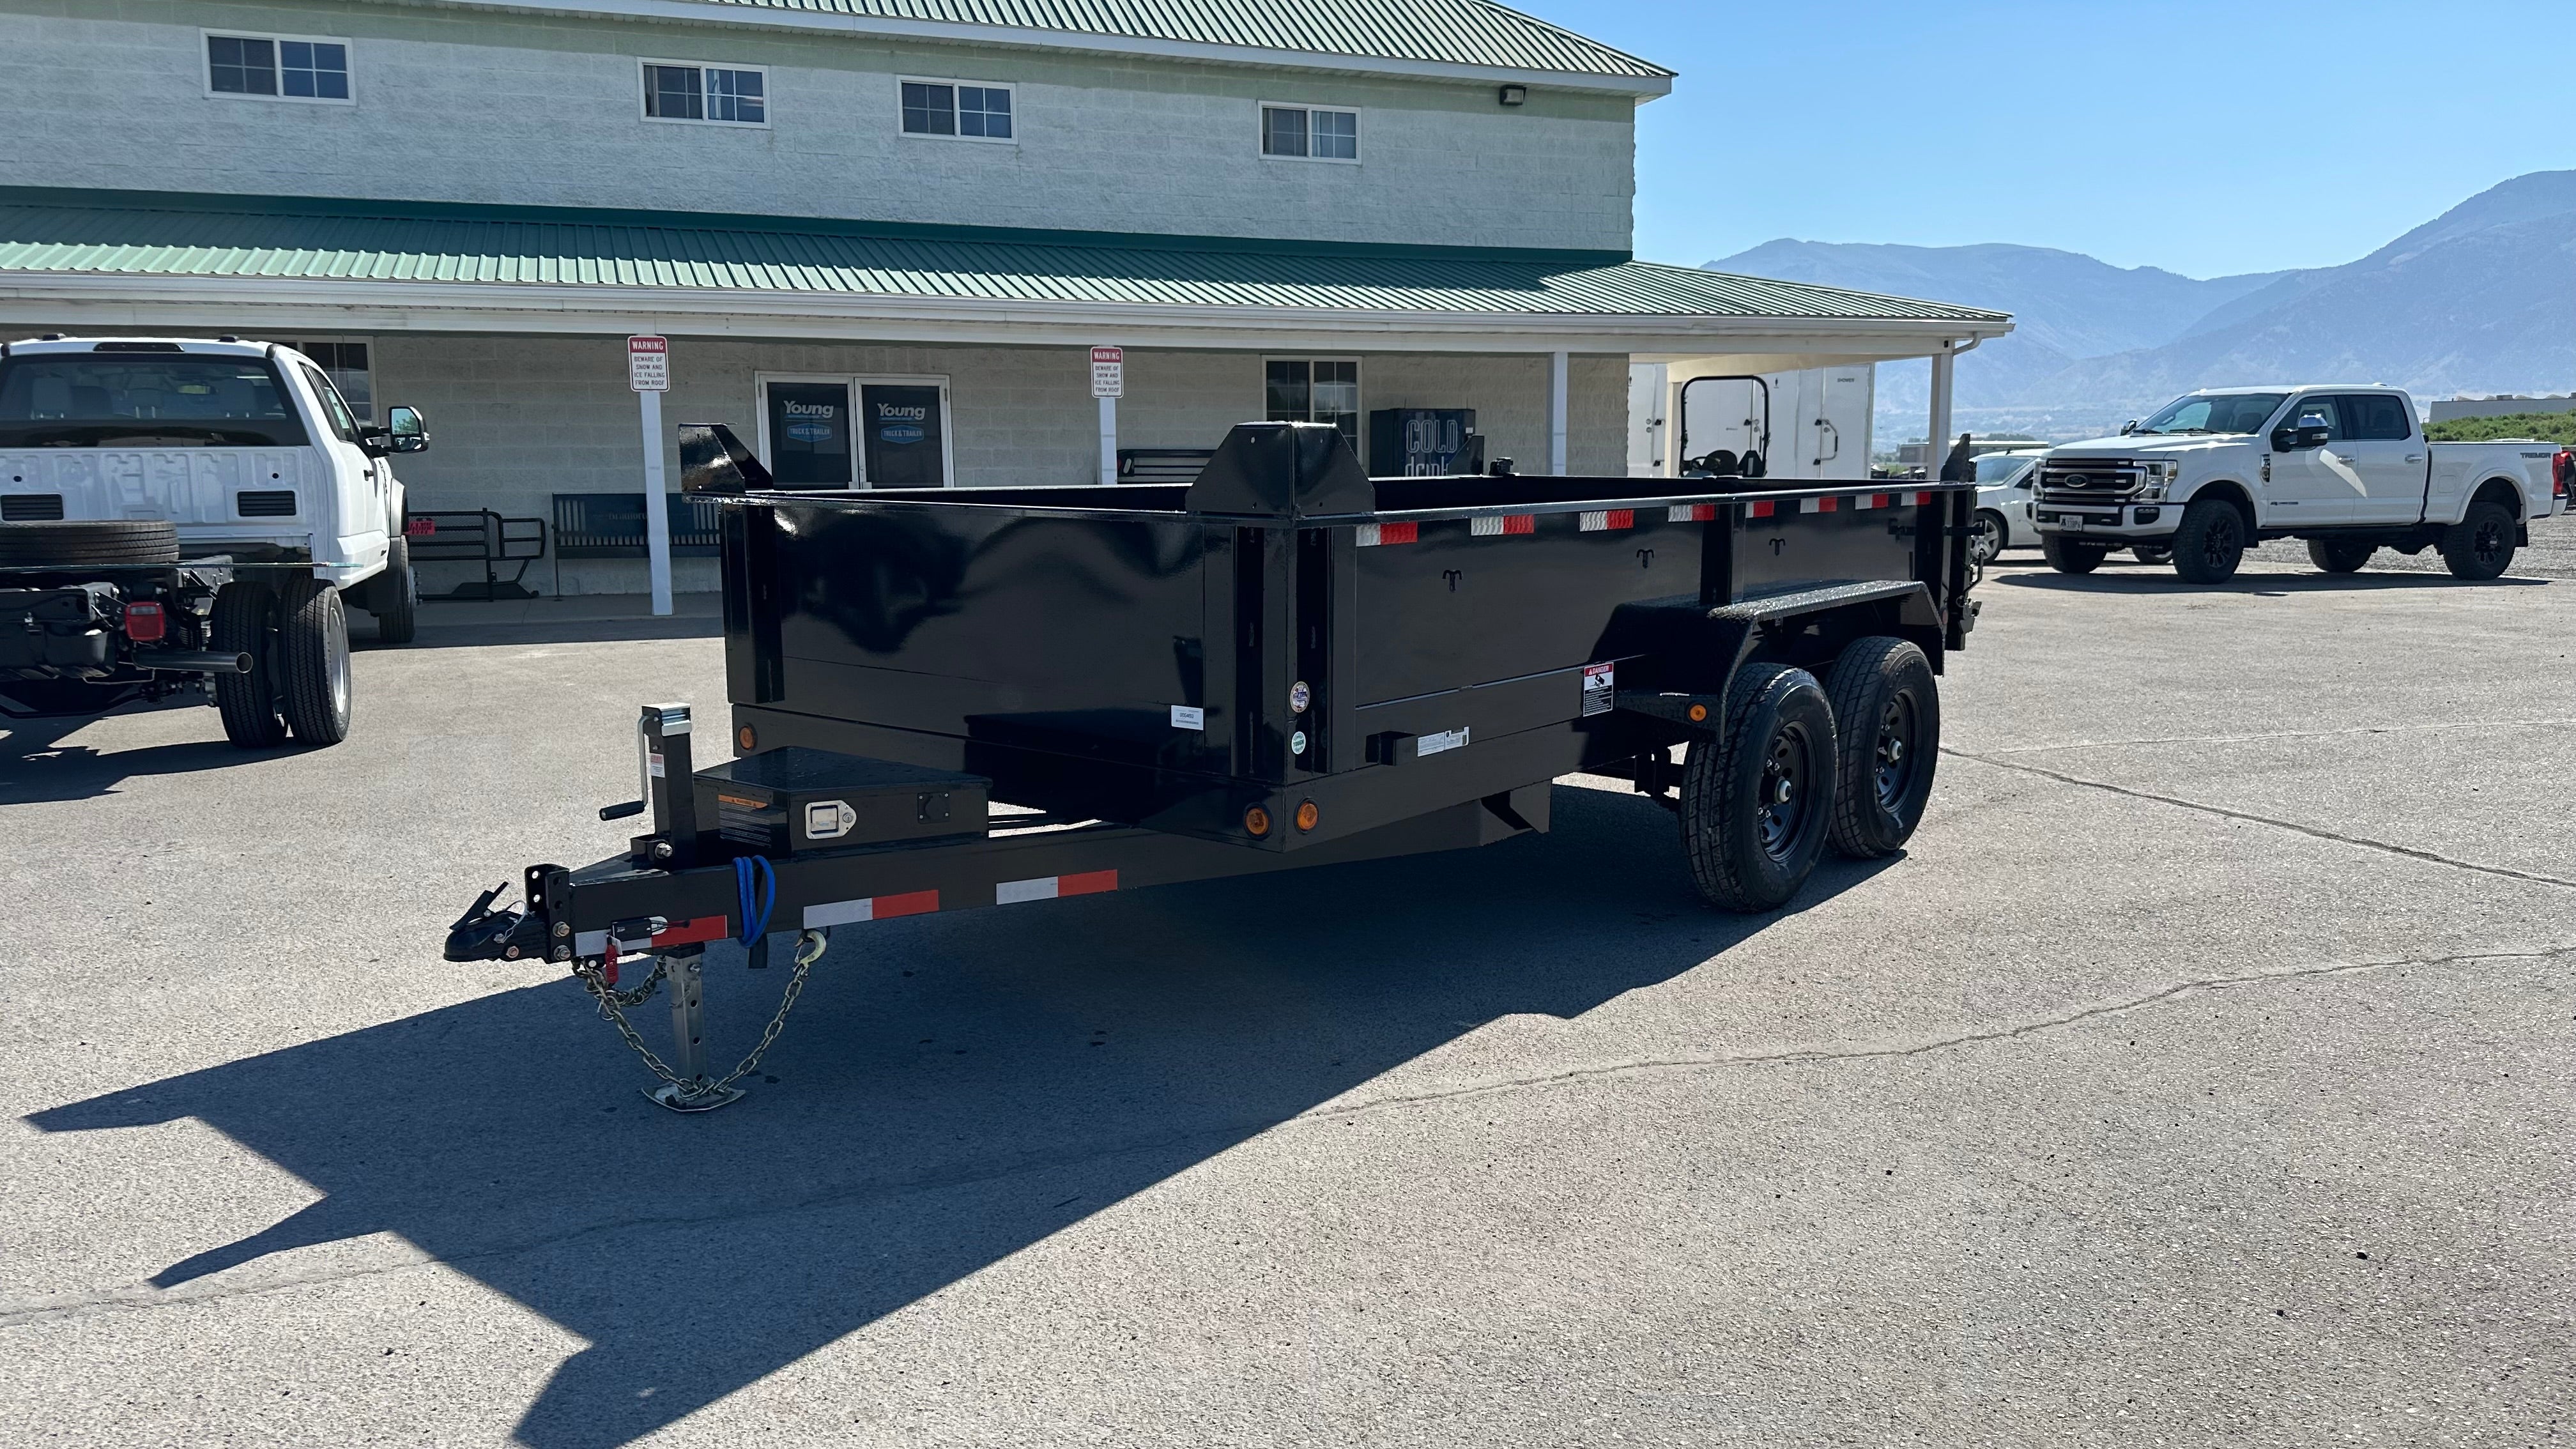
(783,802)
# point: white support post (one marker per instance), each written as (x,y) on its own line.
(1109,440)
(657,509)
(1557,368)
(1939,447)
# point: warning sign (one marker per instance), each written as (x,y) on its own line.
(648,364)
(1109,372)
(1597,688)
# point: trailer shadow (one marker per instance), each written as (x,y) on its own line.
(2158,579)
(36,765)
(952,1090)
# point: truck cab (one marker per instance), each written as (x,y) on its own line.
(219,494)
(2345,468)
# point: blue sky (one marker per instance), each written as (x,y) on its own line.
(2204,138)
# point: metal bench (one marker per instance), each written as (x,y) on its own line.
(611,525)
(477,535)
(1162,465)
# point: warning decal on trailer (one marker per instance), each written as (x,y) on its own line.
(1596,688)
(1445,740)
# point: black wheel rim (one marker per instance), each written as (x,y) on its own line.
(2220,542)
(1892,771)
(1782,804)
(2488,542)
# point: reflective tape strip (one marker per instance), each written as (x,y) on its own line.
(1609,518)
(1815,505)
(699,928)
(1690,513)
(1922,498)
(590,943)
(1502,523)
(1870,500)
(1050,887)
(871,908)
(1373,534)
(1760,509)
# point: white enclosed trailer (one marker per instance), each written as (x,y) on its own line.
(1807,423)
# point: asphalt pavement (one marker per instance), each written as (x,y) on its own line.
(2199,1075)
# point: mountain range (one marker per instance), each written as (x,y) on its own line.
(2480,299)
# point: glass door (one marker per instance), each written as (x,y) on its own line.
(906,435)
(806,426)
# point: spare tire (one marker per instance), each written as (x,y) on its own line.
(113,541)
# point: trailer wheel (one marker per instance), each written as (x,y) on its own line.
(2481,545)
(1887,722)
(313,658)
(395,597)
(2338,556)
(245,622)
(2210,542)
(2072,555)
(1758,799)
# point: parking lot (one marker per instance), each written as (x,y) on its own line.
(2199,1074)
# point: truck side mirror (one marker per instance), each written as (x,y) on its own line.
(2128,427)
(406,431)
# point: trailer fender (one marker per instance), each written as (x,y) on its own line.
(1677,652)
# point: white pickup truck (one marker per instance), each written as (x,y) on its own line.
(2345,468)
(181,514)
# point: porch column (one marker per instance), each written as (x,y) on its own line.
(1939,447)
(1556,390)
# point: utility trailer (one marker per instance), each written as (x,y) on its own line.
(945,700)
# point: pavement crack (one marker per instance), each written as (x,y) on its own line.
(2314,832)
(1657,1066)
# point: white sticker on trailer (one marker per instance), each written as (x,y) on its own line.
(1188,717)
(1445,740)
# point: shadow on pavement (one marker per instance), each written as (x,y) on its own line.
(2159,579)
(952,1090)
(436,635)
(36,765)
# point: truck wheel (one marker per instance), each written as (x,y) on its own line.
(1887,728)
(1758,799)
(2210,543)
(2339,556)
(107,541)
(1987,536)
(2072,555)
(313,659)
(395,599)
(2481,545)
(245,622)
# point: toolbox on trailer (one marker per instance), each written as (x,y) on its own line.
(944,699)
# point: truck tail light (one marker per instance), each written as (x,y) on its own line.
(145,623)
(2562,474)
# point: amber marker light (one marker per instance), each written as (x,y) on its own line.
(1307,815)
(1257,820)
(1698,712)
(747,739)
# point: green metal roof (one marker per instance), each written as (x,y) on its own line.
(151,234)
(1451,32)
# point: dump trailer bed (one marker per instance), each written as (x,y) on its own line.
(942,700)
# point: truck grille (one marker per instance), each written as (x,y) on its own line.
(2090,480)
(267,503)
(31,508)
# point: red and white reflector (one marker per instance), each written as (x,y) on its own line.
(145,623)
(1609,518)
(1922,498)
(1503,523)
(1866,501)
(1760,508)
(1373,534)
(1816,505)
(1050,887)
(870,908)
(1690,513)
(696,928)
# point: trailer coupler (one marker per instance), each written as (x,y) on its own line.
(485,934)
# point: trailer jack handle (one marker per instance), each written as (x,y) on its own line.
(685,1084)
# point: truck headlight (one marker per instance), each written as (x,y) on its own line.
(2157,476)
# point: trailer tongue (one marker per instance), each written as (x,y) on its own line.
(944,700)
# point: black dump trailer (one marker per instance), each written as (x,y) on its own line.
(943,700)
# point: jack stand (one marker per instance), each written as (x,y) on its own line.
(688,1029)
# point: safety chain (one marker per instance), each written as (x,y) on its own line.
(613,1004)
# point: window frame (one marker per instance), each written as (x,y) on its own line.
(206,66)
(1358,438)
(2346,403)
(857,382)
(1009,88)
(644,92)
(366,411)
(1261,133)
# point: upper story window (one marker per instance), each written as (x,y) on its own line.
(1310,133)
(726,95)
(279,67)
(967,110)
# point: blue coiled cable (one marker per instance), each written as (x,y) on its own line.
(755,923)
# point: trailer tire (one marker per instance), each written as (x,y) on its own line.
(245,622)
(394,596)
(2480,546)
(2210,542)
(1750,842)
(2072,555)
(2339,556)
(313,658)
(102,541)
(1887,728)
